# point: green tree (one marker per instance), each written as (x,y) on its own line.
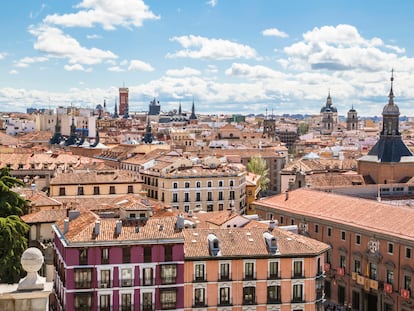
(13,230)
(258,166)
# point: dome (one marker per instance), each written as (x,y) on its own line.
(328,109)
(391,109)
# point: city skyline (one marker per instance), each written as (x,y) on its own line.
(283,57)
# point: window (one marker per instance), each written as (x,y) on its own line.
(83,301)
(198,196)
(390,276)
(341,294)
(199,272)
(249,271)
(292,222)
(83,256)
(186,197)
(147,302)
(126,302)
(168,253)
(186,208)
(282,219)
(175,185)
(329,231)
(220,196)
(273,270)
(232,195)
(408,252)
(130,189)
(209,184)
(357,266)
(198,184)
(355,300)
(225,272)
(209,207)
(220,183)
(199,297)
(343,236)
(147,279)
(111,189)
(209,196)
(273,294)
(297,293)
(147,254)
(357,239)
(187,185)
(62,191)
(126,277)
(372,271)
(105,255)
(80,190)
(168,274)
(105,281)
(83,278)
(342,262)
(224,298)
(175,197)
(168,298)
(297,269)
(249,295)
(407,282)
(316,228)
(390,248)
(126,255)
(96,190)
(104,302)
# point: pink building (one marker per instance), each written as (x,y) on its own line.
(129,263)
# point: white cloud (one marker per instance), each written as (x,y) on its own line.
(273,32)
(108,13)
(26,61)
(13,72)
(218,49)
(252,72)
(212,3)
(2,55)
(91,37)
(75,67)
(55,43)
(186,71)
(116,69)
(138,65)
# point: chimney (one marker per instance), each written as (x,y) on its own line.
(97,228)
(73,214)
(180,222)
(286,195)
(118,227)
(65,226)
(272,225)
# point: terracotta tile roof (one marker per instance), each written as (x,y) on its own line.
(334,180)
(81,229)
(238,242)
(44,216)
(92,177)
(357,212)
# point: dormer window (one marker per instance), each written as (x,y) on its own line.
(271,242)
(213,244)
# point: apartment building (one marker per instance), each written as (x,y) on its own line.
(252,269)
(93,183)
(370,265)
(132,263)
(207,184)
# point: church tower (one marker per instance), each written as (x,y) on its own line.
(352,120)
(329,116)
(390,160)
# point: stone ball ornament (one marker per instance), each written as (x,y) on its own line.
(32,261)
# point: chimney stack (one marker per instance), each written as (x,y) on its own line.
(97,228)
(118,228)
(65,226)
(286,195)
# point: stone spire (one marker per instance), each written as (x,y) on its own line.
(193,115)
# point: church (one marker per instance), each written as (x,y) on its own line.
(390,160)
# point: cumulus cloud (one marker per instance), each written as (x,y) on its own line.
(186,71)
(26,61)
(91,37)
(116,69)
(138,65)
(252,72)
(340,48)
(75,67)
(107,13)
(274,32)
(55,43)
(206,48)
(13,72)
(2,55)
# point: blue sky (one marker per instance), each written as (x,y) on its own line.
(242,56)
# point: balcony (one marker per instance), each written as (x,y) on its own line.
(168,280)
(250,301)
(273,301)
(148,282)
(298,275)
(83,284)
(273,276)
(126,282)
(224,277)
(105,284)
(226,302)
(199,304)
(199,278)
(298,299)
(126,308)
(148,307)
(249,277)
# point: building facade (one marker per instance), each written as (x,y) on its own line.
(370,265)
(132,263)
